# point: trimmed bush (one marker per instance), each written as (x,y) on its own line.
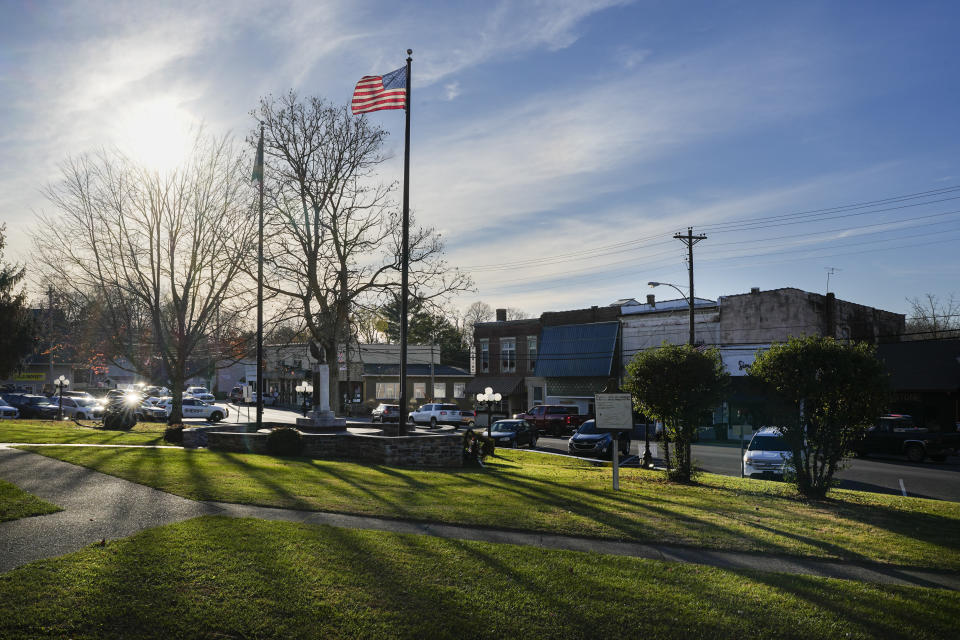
(174,434)
(284,441)
(477,446)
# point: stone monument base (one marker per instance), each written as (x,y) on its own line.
(321,421)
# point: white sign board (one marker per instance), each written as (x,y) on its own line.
(614,411)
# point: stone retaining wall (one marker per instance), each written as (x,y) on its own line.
(197,436)
(429,450)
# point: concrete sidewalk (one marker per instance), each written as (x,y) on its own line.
(95,507)
(98,506)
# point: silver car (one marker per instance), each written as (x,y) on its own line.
(768,455)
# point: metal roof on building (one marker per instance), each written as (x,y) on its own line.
(577,350)
(667,305)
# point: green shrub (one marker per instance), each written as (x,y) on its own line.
(477,446)
(284,441)
(174,434)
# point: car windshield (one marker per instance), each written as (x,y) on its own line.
(38,400)
(590,426)
(768,443)
(85,402)
(505,425)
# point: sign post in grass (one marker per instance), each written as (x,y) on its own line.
(614,414)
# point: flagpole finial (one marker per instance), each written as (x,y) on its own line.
(409,52)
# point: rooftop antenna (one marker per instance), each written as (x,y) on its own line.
(830,272)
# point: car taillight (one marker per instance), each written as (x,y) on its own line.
(443,413)
(569,420)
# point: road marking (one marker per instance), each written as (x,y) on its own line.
(903,488)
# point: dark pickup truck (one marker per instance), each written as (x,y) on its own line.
(897,435)
(556,420)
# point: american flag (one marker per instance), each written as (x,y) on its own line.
(374,93)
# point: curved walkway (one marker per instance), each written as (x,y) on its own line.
(99,506)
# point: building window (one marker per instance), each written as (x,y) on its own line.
(419,390)
(531,351)
(508,355)
(388,390)
(439,390)
(484,356)
(459,389)
(537,395)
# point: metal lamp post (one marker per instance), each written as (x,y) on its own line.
(689,300)
(489,397)
(61,383)
(303,389)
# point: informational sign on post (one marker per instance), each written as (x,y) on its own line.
(614,411)
(615,414)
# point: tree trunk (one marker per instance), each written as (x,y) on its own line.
(177,380)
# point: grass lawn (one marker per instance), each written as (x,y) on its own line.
(46,431)
(521,490)
(16,503)
(217,577)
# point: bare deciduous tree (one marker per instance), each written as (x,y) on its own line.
(162,252)
(932,317)
(333,228)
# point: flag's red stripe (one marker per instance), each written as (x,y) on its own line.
(357,111)
(370,95)
(391,92)
(392,95)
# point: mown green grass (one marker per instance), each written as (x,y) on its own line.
(16,503)
(48,431)
(217,577)
(527,491)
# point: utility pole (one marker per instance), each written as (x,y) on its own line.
(689,240)
(432,385)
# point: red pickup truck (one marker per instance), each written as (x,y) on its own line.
(555,420)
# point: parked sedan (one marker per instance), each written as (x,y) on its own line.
(513,433)
(591,442)
(32,406)
(7,412)
(193,408)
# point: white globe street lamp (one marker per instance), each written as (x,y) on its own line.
(304,388)
(61,382)
(489,397)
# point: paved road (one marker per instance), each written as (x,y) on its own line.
(882,474)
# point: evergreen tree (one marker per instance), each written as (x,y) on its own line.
(17,337)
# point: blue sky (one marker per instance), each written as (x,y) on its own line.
(556,145)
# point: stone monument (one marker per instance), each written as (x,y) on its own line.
(321,418)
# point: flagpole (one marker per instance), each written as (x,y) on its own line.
(260,297)
(405,256)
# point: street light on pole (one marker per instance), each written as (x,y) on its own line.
(304,388)
(689,300)
(489,397)
(61,383)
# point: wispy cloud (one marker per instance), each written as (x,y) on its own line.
(452,90)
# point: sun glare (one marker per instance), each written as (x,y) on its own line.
(156,132)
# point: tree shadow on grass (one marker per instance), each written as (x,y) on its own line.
(880,612)
(264,478)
